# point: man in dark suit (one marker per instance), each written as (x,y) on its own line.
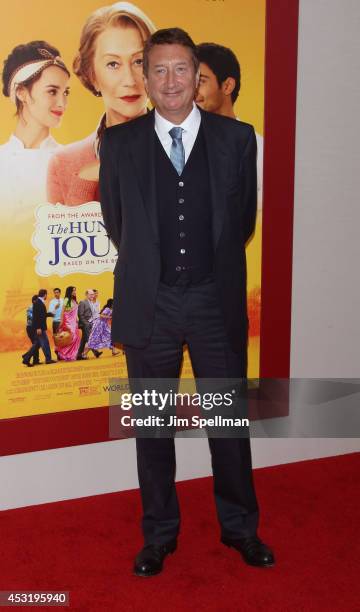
(87,313)
(39,330)
(178,195)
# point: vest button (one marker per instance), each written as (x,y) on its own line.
(181,200)
(182,251)
(178,268)
(181,184)
(181,217)
(182,234)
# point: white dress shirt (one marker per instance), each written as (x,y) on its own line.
(190,125)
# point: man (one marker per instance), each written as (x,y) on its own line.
(55,308)
(87,313)
(39,330)
(178,195)
(29,329)
(219,87)
(96,302)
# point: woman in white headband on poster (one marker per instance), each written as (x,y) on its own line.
(36,80)
(109,64)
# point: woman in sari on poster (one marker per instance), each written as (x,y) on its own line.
(69,323)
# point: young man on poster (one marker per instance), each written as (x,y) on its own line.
(219,88)
(55,308)
(180,223)
(39,330)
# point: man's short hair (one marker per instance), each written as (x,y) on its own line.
(223,63)
(169,36)
(57,289)
(42,292)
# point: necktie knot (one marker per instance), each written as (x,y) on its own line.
(176,133)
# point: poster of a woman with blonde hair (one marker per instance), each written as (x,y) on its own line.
(109,65)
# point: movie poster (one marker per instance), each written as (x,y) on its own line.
(67,71)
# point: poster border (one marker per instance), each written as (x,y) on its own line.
(87,426)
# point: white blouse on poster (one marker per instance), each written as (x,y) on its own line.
(23,175)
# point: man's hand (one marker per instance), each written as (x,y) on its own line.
(39,332)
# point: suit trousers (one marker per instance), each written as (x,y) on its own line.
(191,315)
(85,335)
(39,341)
(32,337)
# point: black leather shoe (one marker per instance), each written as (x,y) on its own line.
(27,363)
(253,550)
(50,361)
(150,559)
(98,353)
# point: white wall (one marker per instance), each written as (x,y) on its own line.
(326,295)
(326,287)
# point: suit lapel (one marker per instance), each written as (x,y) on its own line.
(218,171)
(143,154)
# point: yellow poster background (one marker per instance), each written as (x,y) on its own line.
(238,24)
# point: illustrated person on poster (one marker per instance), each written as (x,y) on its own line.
(100,336)
(181,182)
(39,330)
(36,80)
(29,328)
(219,87)
(55,307)
(69,323)
(96,302)
(109,65)
(87,314)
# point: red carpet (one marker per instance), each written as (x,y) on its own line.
(310,515)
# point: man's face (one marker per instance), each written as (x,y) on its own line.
(171,81)
(91,296)
(57,294)
(210,96)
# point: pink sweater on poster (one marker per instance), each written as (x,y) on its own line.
(64,185)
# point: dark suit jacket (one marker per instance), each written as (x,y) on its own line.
(85,313)
(39,315)
(128,202)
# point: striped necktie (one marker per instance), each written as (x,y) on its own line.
(177,151)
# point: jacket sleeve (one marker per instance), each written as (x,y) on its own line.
(81,309)
(35,316)
(109,188)
(249,178)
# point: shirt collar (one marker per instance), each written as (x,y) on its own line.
(190,124)
(47,143)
